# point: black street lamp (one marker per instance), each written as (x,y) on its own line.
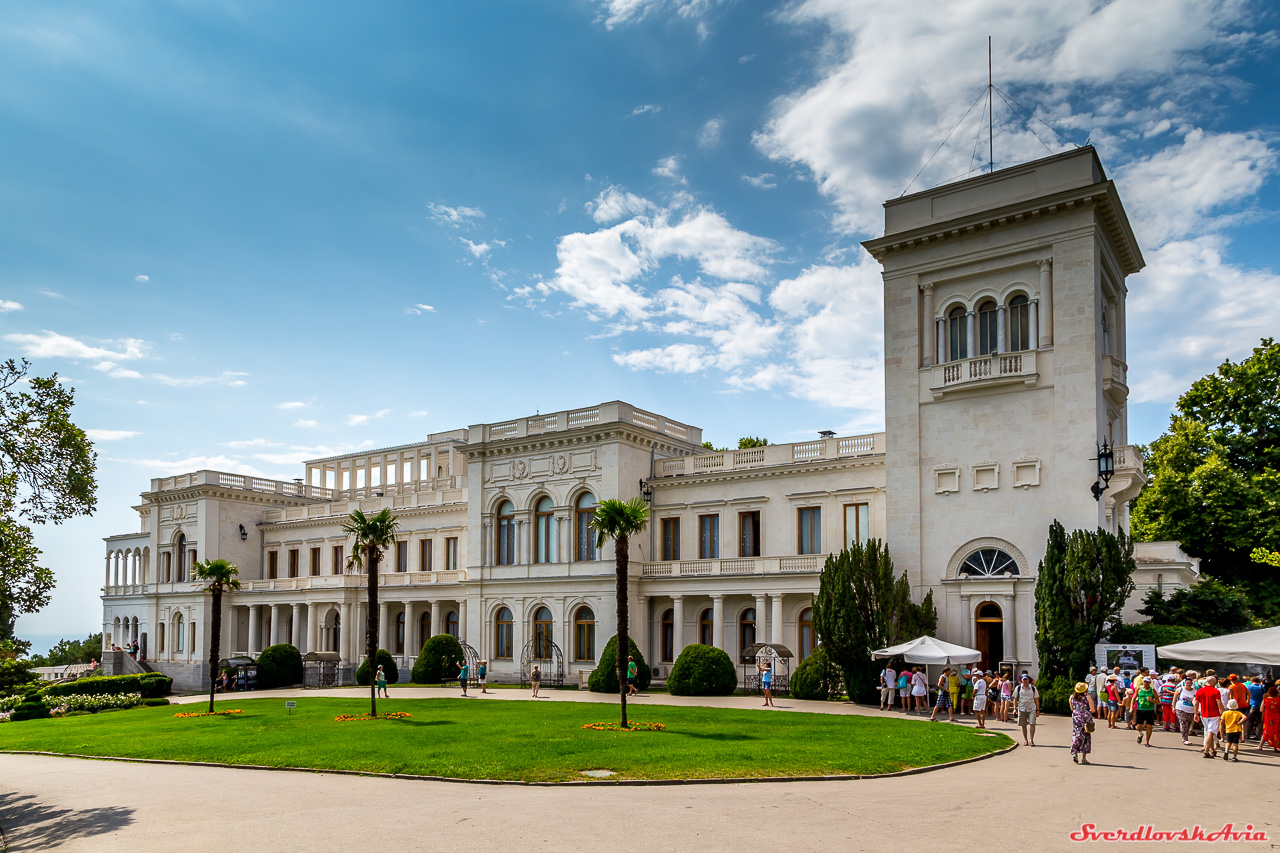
(646,491)
(1106,467)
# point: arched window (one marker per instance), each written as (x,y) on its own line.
(160,638)
(451,623)
(805,631)
(746,629)
(542,633)
(503,638)
(989,611)
(706,627)
(988,563)
(584,634)
(668,635)
(424,629)
(178,634)
(988,339)
(1018,333)
(957,334)
(181,547)
(400,633)
(544,537)
(506,534)
(586,511)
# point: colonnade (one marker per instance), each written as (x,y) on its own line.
(127,567)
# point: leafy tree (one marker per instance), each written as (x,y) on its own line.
(1151,634)
(861,606)
(47,470)
(1214,476)
(216,577)
(372,534)
(619,521)
(66,652)
(1210,606)
(1084,581)
(752,441)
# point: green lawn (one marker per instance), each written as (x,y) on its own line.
(525,740)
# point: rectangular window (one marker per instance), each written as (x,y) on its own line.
(749,534)
(293,562)
(857,523)
(424,555)
(451,553)
(337,560)
(670,538)
(315,562)
(708,537)
(168,566)
(810,530)
(273,564)
(402,556)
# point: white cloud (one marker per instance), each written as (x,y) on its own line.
(669,167)
(646,108)
(763,181)
(52,294)
(53,345)
(630,11)
(454,217)
(674,358)
(115,371)
(419,308)
(420,413)
(297,454)
(110,434)
(478,250)
(6,306)
(227,377)
(142,279)
(252,442)
(169,467)
(306,423)
(614,203)
(292,404)
(709,136)
(358,420)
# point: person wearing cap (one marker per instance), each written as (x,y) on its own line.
(1184,706)
(1082,710)
(1209,713)
(888,681)
(979,688)
(1239,692)
(482,675)
(1145,699)
(1026,697)
(1091,680)
(1168,685)
(1232,730)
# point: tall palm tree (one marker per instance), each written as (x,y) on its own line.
(372,533)
(620,520)
(217,576)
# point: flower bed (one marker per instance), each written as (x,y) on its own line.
(8,703)
(351,718)
(59,705)
(188,714)
(632,726)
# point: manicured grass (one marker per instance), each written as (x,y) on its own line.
(525,740)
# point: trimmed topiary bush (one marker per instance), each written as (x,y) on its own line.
(702,671)
(155,685)
(31,707)
(155,703)
(384,660)
(815,677)
(437,662)
(604,678)
(279,666)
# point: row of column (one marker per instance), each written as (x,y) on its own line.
(1008,626)
(770,627)
(1040,324)
(126,568)
(564,545)
(352,625)
(439,465)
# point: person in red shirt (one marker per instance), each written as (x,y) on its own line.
(1209,714)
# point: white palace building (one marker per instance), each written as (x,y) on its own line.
(1005,367)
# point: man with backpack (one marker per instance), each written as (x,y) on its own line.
(1026,698)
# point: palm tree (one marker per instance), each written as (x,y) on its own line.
(372,533)
(218,576)
(620,520)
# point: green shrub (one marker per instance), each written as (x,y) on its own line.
(279,666)
(384,660)
(1147,633)
(30,709)
(155,703)
(77,714)
(15,675)
(155,685)
(1054,695)
(149,685)
(437,662)
(815,677)
(604,678)
(702,671)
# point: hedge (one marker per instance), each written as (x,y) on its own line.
(702,671)
(1054,696)
(151,685)
(388,664)
(604,678)
(279,666)
(437,662)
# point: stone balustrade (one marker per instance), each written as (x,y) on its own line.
(773,454)
(296,488)
(615,412)
(735,566)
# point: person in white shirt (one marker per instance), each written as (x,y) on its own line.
(888,677)
(980,698)
(919,689)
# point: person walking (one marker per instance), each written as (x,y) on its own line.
(888,680)
(766,682)
(1026,698)
(980,698)
(1184,707)
(953,687)
(919,690)
(1082,725)
(1232,730)
(1257,691)
(1209,713)
(632,669)
(1168,686)
(904,690)
(1145,700)
(966,691)
(535,678)
(1271,719)
(482,675)
(1006,696)
(1113,699)
(380,681)
(464,672)
(943,702)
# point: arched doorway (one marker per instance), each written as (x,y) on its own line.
(988,633)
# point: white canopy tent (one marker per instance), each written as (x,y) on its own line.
(1261,646)
(930,650)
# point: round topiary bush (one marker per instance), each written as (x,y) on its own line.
(31,708)
(279,666)
(384,660)
(604,678)
(815,677)
(437,662)
(702,671)
(154,685)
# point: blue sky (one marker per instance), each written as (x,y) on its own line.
(254,233)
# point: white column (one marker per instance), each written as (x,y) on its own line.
(346,629)
(436,627)
(640,621)
(410,628)
(775,620)
(1046,299)
(761,624)
(296,639)
(717,621)
(384,619)
(486,552)
(677,629)
(1010,635)
(1033,315)
(462,620)
(313,617)
(930,345)
(255,632)
(971,348)
(106,580)
(1000,339)
(967,637)
(1119,333)
(942,341)
(522,556)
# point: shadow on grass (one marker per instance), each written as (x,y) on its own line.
(423,722)
(28,824)
(713,735)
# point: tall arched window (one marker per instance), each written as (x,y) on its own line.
(988,340)
(503,637)
(586,511)
(1018,333)
(668,635)
(706,627)
(957,334)
(181,547)
(424,629)
(747,628)
(584,634)
(805,630)
(542,633)
(544,537)
(506,534)
(178,634)
(400,633)
(451,623)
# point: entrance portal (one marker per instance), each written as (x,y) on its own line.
(988,632)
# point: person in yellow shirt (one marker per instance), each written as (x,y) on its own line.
(1232,727)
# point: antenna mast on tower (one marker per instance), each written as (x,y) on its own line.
(991,122)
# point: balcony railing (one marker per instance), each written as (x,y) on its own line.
(296,488)
(736,566)
(984,369)
(574,419)
(346,581)
(774,454)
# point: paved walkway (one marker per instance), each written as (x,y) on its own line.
(68,804)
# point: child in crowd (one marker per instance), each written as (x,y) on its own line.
(1232,731)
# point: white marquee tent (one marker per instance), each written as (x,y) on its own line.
(1261,646)
(930,650)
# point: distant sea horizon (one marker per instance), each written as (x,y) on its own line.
(41,643)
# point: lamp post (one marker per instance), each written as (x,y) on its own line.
(1106,459)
